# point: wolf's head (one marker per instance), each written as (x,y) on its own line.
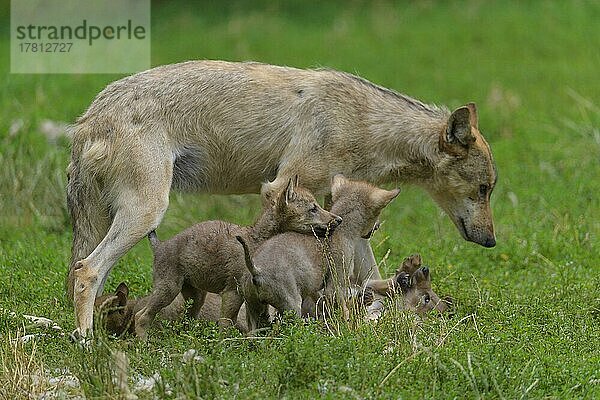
(464,178)
(295,209)
(360,203)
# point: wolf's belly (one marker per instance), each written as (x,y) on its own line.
(221,171)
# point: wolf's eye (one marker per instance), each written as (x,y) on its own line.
(426,299)
(483,189)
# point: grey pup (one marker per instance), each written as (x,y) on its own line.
(207,258)
(289,270)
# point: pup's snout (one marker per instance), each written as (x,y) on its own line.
(336,221)
(325,230)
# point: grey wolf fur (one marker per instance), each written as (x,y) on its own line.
(117,311)
(290,269)
(222,127)
(207,258)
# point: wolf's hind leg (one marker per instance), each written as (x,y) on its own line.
(141,197)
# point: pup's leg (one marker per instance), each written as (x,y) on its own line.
(288,299)
(365,266)
(163,294)
(231,301)
(141,196)
(309,308)
(257,315)
(382,287)
(197,296)
(335,293)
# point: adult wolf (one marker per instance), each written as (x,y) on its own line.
(223,127)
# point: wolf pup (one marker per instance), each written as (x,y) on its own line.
(222,127)
(290,269)
(207,258)
(117,311)
(413,281)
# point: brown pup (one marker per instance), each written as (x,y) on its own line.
(413,281)
(207,258)
(117,311)
(290,269)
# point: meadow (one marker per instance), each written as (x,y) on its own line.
(527,312)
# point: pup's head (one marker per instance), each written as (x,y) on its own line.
(115,315)
(465,177)
(363,197)
(414,282)
(297,210)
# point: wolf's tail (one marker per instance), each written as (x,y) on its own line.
(247,257)
(86,198)
(154,242)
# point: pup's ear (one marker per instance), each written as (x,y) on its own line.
(290,190)
(269,196)
(382,197)
(122,293)
(337,182)
(458,130)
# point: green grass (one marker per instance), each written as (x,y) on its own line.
(528,311)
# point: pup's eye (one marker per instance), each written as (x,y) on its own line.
(426,299)
(483,189)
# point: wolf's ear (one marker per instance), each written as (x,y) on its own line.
(337,182)
(122,293)
(383,197)
(458,130)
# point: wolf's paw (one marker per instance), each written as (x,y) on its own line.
(81,339)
